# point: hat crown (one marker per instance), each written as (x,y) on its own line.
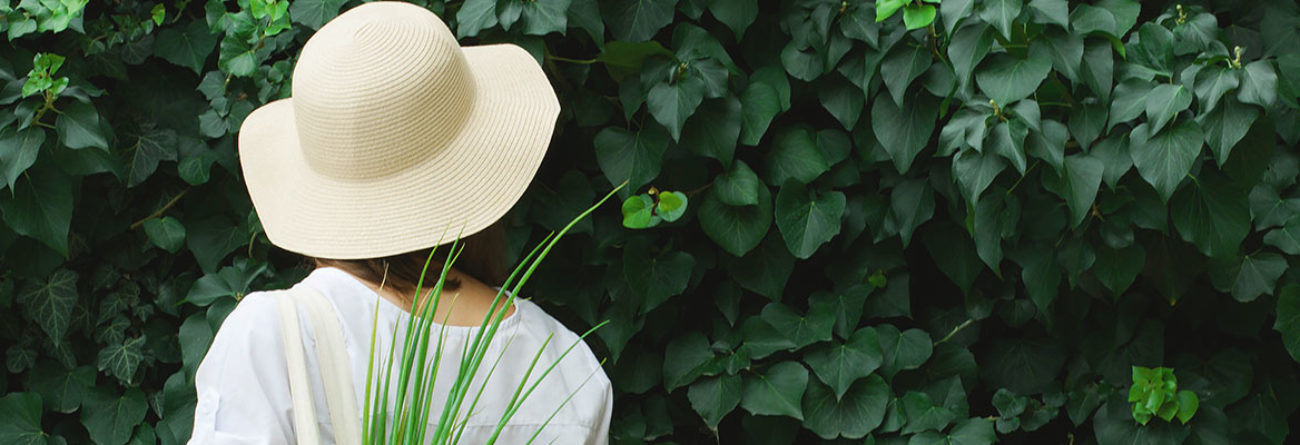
(379,89)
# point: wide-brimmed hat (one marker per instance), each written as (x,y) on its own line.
(396,138)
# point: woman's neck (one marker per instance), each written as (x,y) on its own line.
(467,305)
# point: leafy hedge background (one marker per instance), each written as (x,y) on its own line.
(962,224)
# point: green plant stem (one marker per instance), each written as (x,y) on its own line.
(954,331)
(161,210)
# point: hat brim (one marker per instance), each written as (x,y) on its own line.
(459,191)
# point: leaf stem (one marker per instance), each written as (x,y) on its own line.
(161,210)
(568,60)
(954,331)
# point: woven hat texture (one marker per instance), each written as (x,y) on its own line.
(395,138)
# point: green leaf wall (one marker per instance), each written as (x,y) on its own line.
(947,222)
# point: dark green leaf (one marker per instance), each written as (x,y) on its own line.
(1001,14)
(1077,184)
(1087,121)
(778,391)
(1212,84)
(1056,12)
(738,186)
(715,130)
(1213,215)
(18,151)
(632,157)
(760,103)
(1065,49)
(1248,277)
(542,17)
(658,278)
(21,412)
(923,414)
(737,229)
(911,204)
(794,156)
(1007,79)
(903,132)
(50,303)
(638,20)
(211,239)
(473,17)
(765,270)
(974,171)
(737,15)
(167,233)
(150,148)
(1007,139)
(121,360)
(954,253)
(968,47)
(1288,319)
(842,100)
(672,104)
(1258,84)
(851,415)
(1164,159)
(78,126)
(684,360)
(1117,268)
(1226,125)
(839,366)
(954,12)
(1025,366)
(801,329)
(715,397)
(807,221)
(62,389)
(110,418)
(190,47)
(1098,65)
(1164,103)
(902,350)
(315,13)
(900,67)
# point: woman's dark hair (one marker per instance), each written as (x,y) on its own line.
(483,257)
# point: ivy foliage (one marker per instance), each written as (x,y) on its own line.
(899,222)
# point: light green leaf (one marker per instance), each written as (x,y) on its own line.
(713,398)
(887,8)
(1213,214)
(78,126)
(794,156)
(191,46)
(807,221)
(737,229)
(638,212)
(121,360)
(1164,159)
(852,414)
(738,186)
(1188,403)
(637,20)
(1007,79)
(900,67)
(917,16)
(110,418)
(1001,14)
(672,205)
(632,157)
(21,412)
(840,365)
(18,151)
(776,392)
(684,360)
(903,132)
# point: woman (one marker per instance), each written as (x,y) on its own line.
(396,140)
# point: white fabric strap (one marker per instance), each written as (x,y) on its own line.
(335,367)
(304,410)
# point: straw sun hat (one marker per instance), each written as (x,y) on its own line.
(396,138)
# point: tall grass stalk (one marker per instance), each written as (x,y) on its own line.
(399,405)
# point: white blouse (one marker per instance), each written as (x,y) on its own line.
(243,384)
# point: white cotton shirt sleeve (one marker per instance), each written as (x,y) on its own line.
(242,383)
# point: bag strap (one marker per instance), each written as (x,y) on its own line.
(334,366)
(304,410)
